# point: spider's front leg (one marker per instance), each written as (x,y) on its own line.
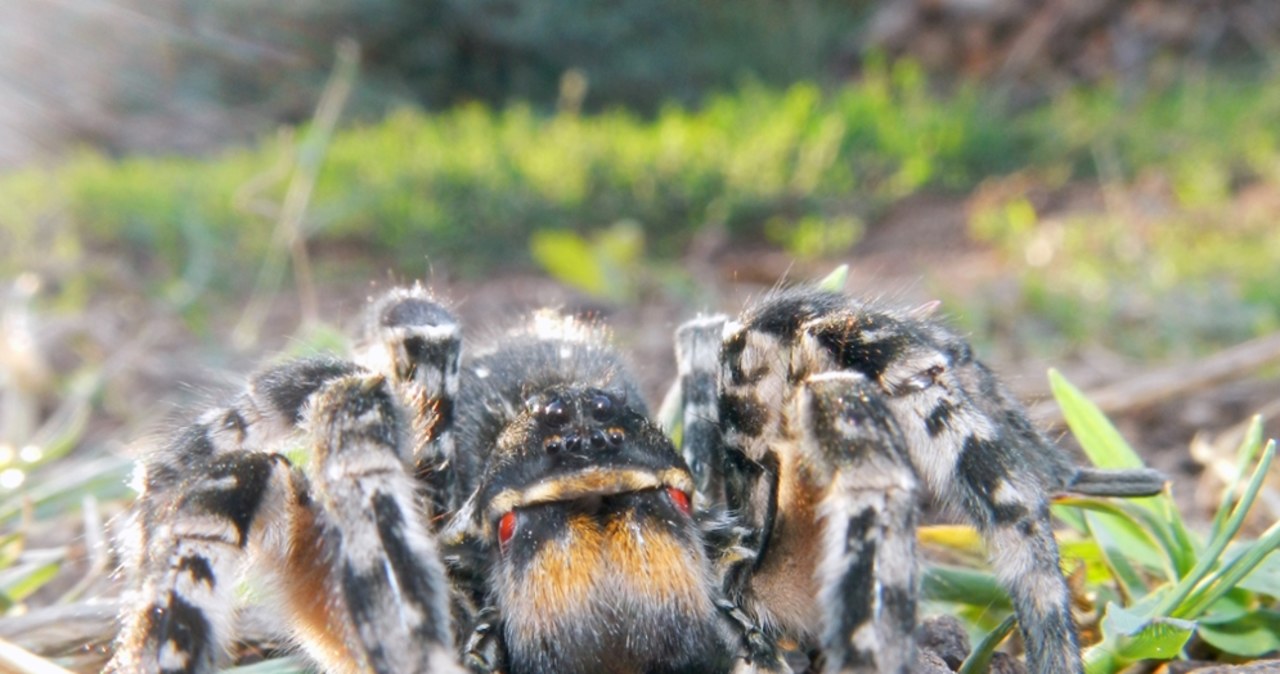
(391,591)
(362,585)
(853,458)
(812,468)
(415,340)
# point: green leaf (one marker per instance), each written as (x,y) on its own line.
(980,659)
(1103,444)
(622,244)
(963,586)
(836,280)
(570,259)
(1088,551)
(1251,635)
(1108,449)
(1265,577)
(1139,533)
(1072,517)
(1128,637)
(1118,537)
(1231,606)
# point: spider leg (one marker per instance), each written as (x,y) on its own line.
(350,554)
(180,620)
(698,344)
(968,442)
(854,457)
(208,497)
(384,564)
(975,449)
(417,342)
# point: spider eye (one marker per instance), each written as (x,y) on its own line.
(554,413)
(680,499)
(506,528)
(601,406)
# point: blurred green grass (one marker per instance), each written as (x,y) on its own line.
(1189,177)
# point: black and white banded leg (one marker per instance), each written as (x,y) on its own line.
(789,369)
(986,479)
(362,585)
(856,460)
(394,595)
(698,366)
(182,612)
(418,342)
(974,450)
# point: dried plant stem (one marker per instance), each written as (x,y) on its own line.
(1169,382)
(288,234)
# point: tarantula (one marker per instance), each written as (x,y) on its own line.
(514,509)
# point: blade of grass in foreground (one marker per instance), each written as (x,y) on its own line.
(18,660)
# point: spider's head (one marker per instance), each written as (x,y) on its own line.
(597,551)
(580,448)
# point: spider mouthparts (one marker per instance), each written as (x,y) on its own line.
(588,486)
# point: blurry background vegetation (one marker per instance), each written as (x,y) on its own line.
(185,186)
(1115,154)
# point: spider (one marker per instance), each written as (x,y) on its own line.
(515,509)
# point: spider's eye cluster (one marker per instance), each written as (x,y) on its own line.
(601,406)
(552,411)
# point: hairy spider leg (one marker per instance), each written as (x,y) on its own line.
(209,497)
(384,563)
(179,620)
(697,365)
(815,465)
(974,449)
(853,456)
(217,497)
(414,338)
(969,442)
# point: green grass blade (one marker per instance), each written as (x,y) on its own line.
(1218,544)
(836,280)
(979,660)
(963,586)
(103,478)
(670,413)
(1230,576)
(21,581)
(1245,456)
(1103,444)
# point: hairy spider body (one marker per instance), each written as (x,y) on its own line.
(516,510)
(600,566)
